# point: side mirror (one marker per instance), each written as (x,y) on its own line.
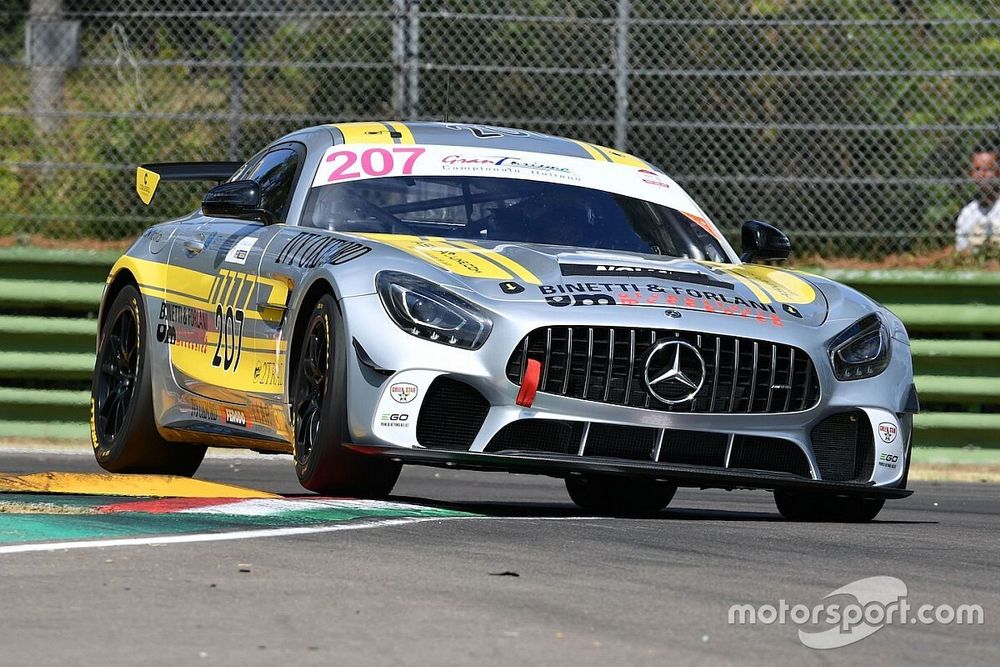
(764,243)
(237,199)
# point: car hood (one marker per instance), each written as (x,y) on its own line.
(567,277)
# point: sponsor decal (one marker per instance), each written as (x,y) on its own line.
(511,288)
(268,373)
(203,410)
(621,271)
(507,161)
(888,460)
(238,253)
(182,326)
(237,418)
(887,431)
(651,294)
(395,420)
(652,178)
(403,392)
(307,250)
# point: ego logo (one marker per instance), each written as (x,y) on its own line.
(403,392)
(395,419)
(887,432)
(888,460)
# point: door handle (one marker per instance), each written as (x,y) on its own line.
(194,246)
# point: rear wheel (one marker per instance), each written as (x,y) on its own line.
(619,494)
(799,506)
(319,413)
(122,426)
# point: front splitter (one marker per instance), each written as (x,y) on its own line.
(535,463)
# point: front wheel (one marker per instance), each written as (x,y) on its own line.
(803,506)
(619,494)
(122,426)
(319,413)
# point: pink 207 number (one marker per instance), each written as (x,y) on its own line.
(374,162)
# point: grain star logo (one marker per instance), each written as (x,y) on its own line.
(403,392)
(887,432)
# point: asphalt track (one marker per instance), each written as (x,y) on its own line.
(613,590)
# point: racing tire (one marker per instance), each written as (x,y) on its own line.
(798,506)
(122,426)
(319,414)
(619,494)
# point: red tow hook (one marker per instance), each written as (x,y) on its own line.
(529,383)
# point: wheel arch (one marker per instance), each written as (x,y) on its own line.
(319,287)
(116,283)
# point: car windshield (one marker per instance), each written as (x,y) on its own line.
(501,209)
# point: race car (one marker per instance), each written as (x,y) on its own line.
(372,294)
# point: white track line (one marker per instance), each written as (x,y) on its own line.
(266,532)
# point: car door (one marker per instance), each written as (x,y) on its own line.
(222,257)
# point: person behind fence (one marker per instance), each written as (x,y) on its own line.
(978,223)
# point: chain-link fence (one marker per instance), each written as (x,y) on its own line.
(849,124)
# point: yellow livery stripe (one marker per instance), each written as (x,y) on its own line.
(407,137)
(605,154)
(366,133)
(504,261)
(593,151)
(443,254)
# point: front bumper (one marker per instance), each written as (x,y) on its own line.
(764,444)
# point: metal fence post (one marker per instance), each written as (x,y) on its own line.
(412,59)
(622,22)
(405,50)
(48,70)
(236,76)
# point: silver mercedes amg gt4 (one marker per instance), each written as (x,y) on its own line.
(367,295)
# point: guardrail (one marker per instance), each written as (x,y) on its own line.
(48,328)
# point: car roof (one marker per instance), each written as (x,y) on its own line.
(471,134)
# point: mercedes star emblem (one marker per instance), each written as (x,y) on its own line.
(674,371)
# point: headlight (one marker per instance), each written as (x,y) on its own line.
(425,310)
(861,350)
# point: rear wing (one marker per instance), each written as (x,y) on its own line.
(148,176)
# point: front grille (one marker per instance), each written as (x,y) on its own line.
(773,454)
(606,364)
(844,447)
(451,415)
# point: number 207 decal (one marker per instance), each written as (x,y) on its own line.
(230,343)
(373,162)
